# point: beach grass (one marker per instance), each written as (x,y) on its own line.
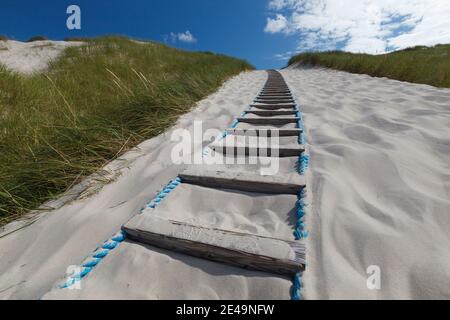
(92,104)
(426,65)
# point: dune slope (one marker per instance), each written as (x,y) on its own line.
(379,180)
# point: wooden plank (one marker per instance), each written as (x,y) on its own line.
(268,120)
(280,151)
(280,86)
(273,106)
(285,101)
(269,113)
(285,89)
(234,248)
(274,98)
(275,95)
(266,132)
(286,184)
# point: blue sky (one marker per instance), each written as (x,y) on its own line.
(234,27)
(264,32)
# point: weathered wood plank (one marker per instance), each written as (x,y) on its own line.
(287,184)
(274,96)
(284,90)
(276,87)
(238,149)
(268,120)
(266,132)
(275,93)
(233,248)
(288,106)
(268,101)
(270,113)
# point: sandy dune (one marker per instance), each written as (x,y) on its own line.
(380,182)
(29,57)
(378,186)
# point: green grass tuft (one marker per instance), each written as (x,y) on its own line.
(427,65)
(94,103)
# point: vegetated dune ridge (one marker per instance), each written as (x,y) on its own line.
(29,57)
(89,106)
(420,64)
(379,178)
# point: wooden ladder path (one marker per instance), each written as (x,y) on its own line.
(274,106)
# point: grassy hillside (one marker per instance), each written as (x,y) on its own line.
(428,65)
(93,104)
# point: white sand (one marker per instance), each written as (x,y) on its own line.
(380,184)
(378,181)
(29,57)
(136,271)
(35,258)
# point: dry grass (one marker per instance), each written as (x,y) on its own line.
(93,104)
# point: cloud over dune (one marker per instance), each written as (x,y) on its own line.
(186,37)
(371,26)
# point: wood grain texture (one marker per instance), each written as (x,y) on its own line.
(239,249)
(269,101)
(286,184)
(289,106)
(286,150)
(266,132)
(269,113)
(268,120)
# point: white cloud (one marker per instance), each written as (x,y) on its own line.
(279,24)
(187,37)
(371,26)
(285,56)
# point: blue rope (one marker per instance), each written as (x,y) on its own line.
(300,231)
(296,287)
(303,163)
(97,256)
(163,194)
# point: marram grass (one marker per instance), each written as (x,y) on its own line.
(91,105)
(426,65)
